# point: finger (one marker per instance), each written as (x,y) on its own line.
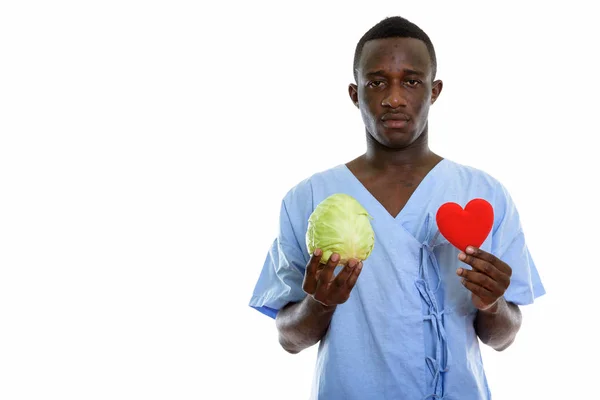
(354,276)
(480,291)
(342,277)
(484,267)
(490,258)
(310,276)
(482,280)
(319,269)
(326,274)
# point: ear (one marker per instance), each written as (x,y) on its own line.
(353,92)
(436,89)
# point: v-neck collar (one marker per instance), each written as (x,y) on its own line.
(416,194)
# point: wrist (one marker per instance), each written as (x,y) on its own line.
(318,307)
(496,307)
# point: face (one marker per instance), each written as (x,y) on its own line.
(394,90)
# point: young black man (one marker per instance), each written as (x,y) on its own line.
(405,323)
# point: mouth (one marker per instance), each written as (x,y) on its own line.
(395,116)
(395,120)
(395,123)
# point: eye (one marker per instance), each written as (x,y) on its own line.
(375,84)
(413,82)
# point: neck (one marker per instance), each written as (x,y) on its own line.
(416,154)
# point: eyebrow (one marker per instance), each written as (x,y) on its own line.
(406,71)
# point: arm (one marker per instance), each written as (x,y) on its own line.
(303,324)
(498,327)
(497,321)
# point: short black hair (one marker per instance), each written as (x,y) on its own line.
(395,27)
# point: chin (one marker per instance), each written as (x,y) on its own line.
(396,139)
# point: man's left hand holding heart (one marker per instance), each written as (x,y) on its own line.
(487,281)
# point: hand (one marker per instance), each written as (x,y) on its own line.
(320,283)
(488,280)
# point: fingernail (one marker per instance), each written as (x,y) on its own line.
(470,250)
(462,257)
(317,252)
(352,263)
(360,265)
(459,271)
(335,258)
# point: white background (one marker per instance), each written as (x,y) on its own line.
(145,148)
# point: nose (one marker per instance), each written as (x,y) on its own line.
(394,97)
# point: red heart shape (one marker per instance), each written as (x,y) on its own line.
(468,227)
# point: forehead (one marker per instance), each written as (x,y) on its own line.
(395,55)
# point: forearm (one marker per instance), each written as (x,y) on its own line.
(498,327)
(303,324)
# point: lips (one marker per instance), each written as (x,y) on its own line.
(395,120)
(395,123)
(395,117)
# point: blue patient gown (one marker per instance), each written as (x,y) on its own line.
(406,332)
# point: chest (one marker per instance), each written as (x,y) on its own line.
(392,193)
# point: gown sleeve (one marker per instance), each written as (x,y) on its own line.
(280,280)
(509,245)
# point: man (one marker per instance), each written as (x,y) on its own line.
(405,323)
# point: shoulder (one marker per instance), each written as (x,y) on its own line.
(299,202)
(477,180)
(302,194)
(473,176)
(480,183)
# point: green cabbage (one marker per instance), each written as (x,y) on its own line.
(340,224)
